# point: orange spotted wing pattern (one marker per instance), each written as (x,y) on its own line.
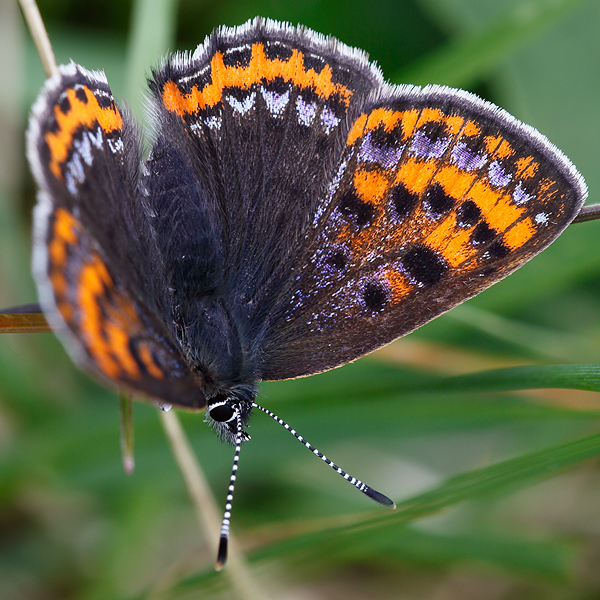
(89,236)
(438,196)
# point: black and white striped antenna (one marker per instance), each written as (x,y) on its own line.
(222,554)
(357,483)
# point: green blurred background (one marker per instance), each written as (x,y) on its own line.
(498,492)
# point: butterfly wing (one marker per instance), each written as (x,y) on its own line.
(262,113)
(438,195)
(99,282)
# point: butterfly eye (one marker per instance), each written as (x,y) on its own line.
(222,411)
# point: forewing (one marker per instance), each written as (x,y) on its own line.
(93,262)
(438,195)
(262,113)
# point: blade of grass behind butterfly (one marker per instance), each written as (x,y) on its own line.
(412,550)
(390,548)
(411,413)
(498,479)
(370,381)
(543,343)
(152,35)
(575,377)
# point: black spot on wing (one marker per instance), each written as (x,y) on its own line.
(432,131)
(277,85)
(402,200)
(52,124)
(384,139)
(314,62)
(81,95)
(310,96)
(374,296)
(210,111)
(423,265)
(337,260)
(498,250)
(437,201)
(356,210)
(105,100)
(483,233)
(238,93)
(186,84)
(468,214)
(64,105)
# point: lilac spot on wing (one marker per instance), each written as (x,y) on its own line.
(115,146)
(74,174)
(275,102)
(541,218)
(306,111)
(387,157)
(424,147)
(520,196)
(497,175)
(328,119)
(466,159)
(331,261)
(214,122)
(332,189)
(242,107)
(83,147)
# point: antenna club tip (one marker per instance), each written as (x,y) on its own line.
(222,554)
(385,501)
(380,498)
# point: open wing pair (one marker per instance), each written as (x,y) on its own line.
(295,212)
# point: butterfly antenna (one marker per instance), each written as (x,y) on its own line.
(223,542)
(357,483)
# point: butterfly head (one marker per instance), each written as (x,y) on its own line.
(223,410)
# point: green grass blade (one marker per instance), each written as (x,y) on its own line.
(367,381)
(576,377)
(152,36)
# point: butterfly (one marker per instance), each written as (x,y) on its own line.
(295,212)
